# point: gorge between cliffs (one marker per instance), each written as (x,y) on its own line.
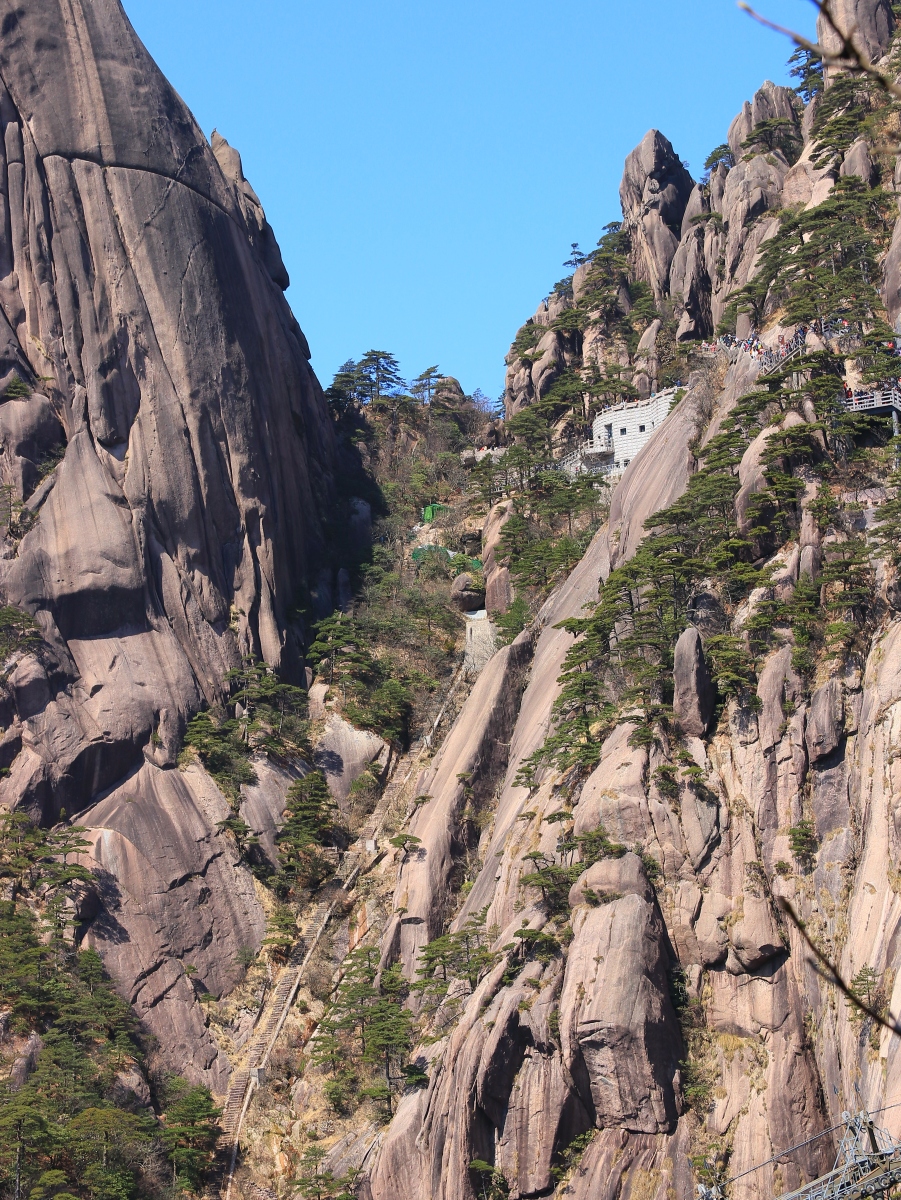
(403,795)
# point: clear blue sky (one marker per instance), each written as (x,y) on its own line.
(426,163)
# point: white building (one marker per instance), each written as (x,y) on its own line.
(617,434)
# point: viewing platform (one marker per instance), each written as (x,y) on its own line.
(885,400)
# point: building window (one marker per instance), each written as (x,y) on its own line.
(641,428)
(622,433)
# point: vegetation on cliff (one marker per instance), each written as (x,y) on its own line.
(77,1117)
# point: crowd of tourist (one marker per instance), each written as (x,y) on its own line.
(752,345)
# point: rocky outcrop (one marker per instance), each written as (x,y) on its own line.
(617,1025)
(859,161)
(172,895)
(343,753)
(770,103)
(467,594)
(174,464)
(654,193)
(693,691)
(692,244)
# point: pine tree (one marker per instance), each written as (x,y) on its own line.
(887,528)
(379,370)
(865,986)
(190,1134)
(309,824)
(349,390)
(807,68)
(18,632)
(775,133)
(338,652)
(423,386)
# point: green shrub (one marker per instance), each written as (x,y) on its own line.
(803,841)
(223,752)
(16,389)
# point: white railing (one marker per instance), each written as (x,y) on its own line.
(625,405)
(772,358)
(574,458)
(835,328)
(883,398)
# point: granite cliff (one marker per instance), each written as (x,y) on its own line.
(678,1028)
(697,721)
(165,472)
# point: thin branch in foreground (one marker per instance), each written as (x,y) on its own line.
(829,971)
(850,56)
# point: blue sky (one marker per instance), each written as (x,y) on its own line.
(426,165)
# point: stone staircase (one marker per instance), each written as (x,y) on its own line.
(361,857)
(276,1009)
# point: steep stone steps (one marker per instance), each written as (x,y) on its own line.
(361,857)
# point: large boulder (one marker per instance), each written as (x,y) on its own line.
(693,691)
(617,1024)
(467,593)
(171,893)
(859,161)
(825,721)
(614,877)
(343,753)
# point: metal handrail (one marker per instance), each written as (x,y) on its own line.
(867,1164)
(883,398)
(772,360)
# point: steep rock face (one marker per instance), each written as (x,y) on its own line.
(507,1086)
(476,750)
(141,285)
(869,21)
(192,419)
(654,193)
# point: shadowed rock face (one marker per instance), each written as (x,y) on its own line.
(141,295)
(140,281)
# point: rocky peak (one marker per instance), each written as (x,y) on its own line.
(654,193)
(770,103)
(258,228)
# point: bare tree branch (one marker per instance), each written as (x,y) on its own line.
(850,56)
(829,971)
